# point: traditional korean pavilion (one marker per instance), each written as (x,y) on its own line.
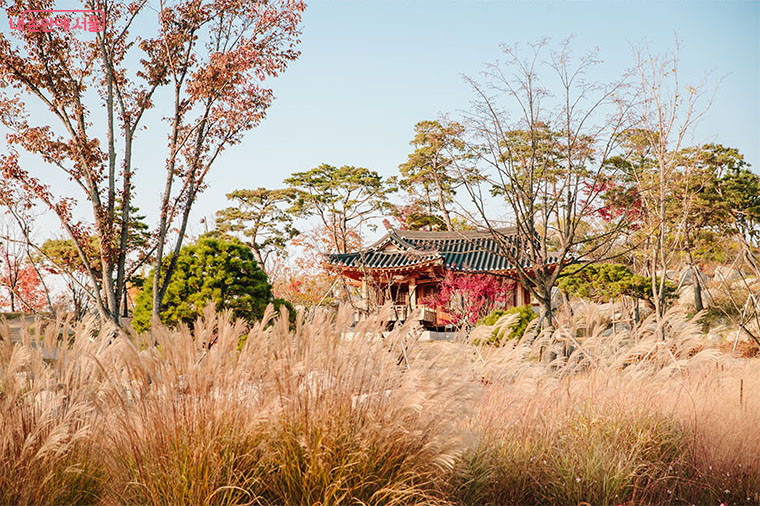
(406,267)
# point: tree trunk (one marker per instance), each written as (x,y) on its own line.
(569,305)
(258,257)
(546,318)
(163,225)
(658,285)
(547,314)
(444,211)
(698,304)
(78,310)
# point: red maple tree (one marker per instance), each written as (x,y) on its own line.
(21,288)
(205,61)
(469,297)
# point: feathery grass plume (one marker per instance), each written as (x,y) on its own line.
(46,418)
(327,412)
(294,417)
(613,419)
(355,425)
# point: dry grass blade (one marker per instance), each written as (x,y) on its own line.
(323,412)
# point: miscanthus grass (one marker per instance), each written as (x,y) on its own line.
(323,413)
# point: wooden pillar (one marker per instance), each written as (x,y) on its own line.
(365,294)
(522,295)
(413,293)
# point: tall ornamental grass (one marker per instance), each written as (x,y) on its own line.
(325,413)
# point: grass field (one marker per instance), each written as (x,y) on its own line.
(305,416)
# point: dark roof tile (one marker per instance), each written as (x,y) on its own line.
(468,251)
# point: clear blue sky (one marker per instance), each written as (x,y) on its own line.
(370,70)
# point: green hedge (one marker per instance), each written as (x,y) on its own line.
(516,330)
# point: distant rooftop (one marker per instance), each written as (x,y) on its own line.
(459,251)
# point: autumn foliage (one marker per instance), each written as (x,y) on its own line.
(21,287)
(207,62)
(469,297)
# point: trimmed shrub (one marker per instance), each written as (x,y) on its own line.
(516,329)
(212,270)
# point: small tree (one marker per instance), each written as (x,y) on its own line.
(260,217)
(22,284)
(665,115)
(429,175)
(211,270)
(21,278)
(344,199)
(62,259)
(470,297)
(522,315)
(604,282)
(548,164)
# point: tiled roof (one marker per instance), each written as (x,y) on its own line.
(465,251)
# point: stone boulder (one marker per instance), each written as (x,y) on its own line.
(724,273)
(686,277)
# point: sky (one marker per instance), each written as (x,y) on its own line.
(370,70)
